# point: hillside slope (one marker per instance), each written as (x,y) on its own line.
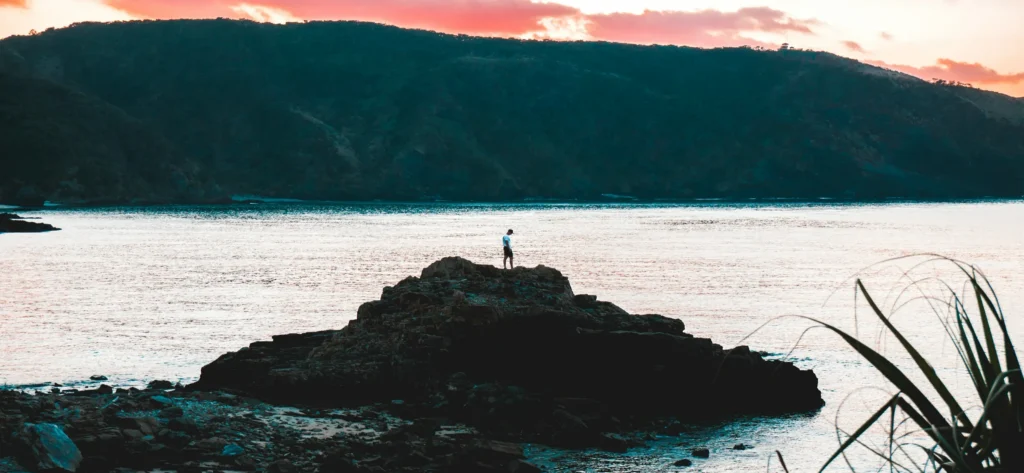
(347,110)
(61,145)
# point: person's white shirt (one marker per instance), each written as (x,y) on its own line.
(506,241)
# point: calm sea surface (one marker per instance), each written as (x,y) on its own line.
(139,294)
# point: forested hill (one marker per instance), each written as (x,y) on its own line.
(199,110)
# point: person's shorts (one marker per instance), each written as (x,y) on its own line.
(508,251)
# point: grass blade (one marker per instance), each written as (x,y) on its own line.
(922,364)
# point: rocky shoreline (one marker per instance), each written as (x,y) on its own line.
(453,371)
(13,223)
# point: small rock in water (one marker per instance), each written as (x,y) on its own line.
(98,378)
(683,462)
(49,447)
(162,400)
(740,446)
(701,453)
(232,451)
(161,384)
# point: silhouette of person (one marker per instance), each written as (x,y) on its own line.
(506,244)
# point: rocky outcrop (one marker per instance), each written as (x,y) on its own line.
(516,351)
(12,223)
(99,431)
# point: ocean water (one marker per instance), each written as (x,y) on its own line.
(137,294)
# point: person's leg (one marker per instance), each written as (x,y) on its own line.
(504,262)
(512,261)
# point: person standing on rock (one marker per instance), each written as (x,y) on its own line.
(506,243)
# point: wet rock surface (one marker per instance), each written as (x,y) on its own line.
(13,223)
(455,371)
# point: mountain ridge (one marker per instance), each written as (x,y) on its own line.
(358,111)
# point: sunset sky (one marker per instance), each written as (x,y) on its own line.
(975,41)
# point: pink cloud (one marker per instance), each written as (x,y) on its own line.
(950,70)
(14,3)
(173,9)
(487,17)
(707,28)
(886,36)
(854,46)
(512,17)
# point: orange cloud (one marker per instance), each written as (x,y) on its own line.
(950,70)
(14,3)
(707,28)
(854,46)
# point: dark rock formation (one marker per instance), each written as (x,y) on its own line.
(515,351)
(12,223)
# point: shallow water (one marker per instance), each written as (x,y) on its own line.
(137,294)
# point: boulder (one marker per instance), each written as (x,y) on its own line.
(172,412)
(232,450)
(161,401)
(47,447)
(161,384)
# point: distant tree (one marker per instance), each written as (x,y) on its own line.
(784,47)
(32,32)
